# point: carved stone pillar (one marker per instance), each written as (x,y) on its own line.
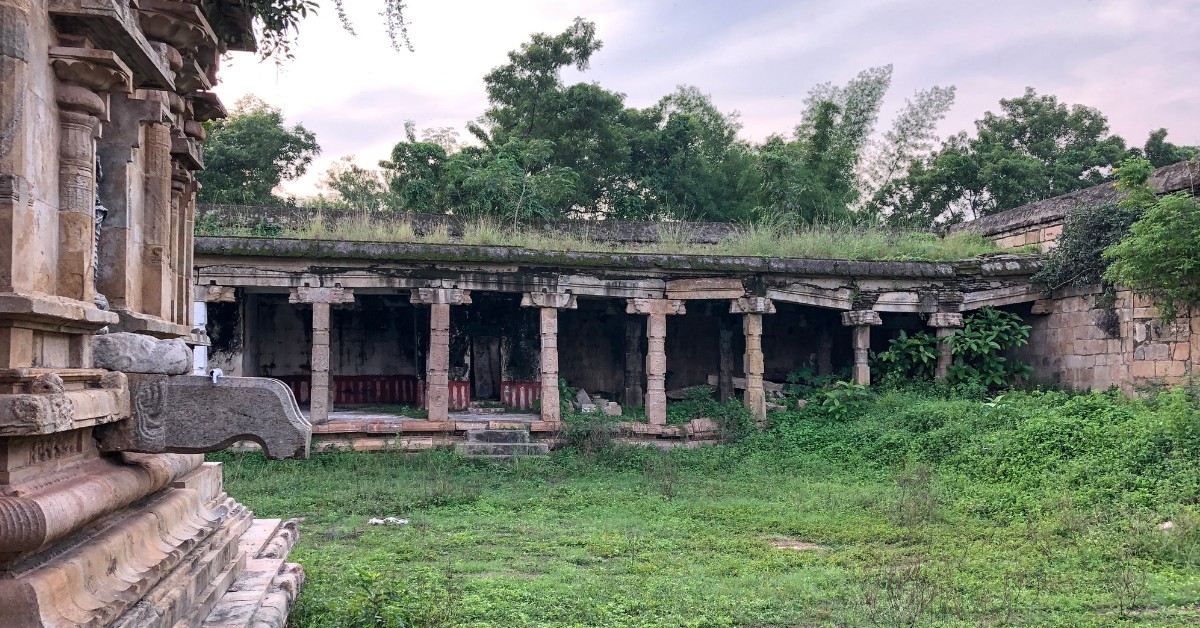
(548,305)
(437,367)
(657,311)
(825,354)
(945,325)
(83,74)
(753,308)
(321,299)
(861,321)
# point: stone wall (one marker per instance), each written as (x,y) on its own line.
(1040,223)
(1078,344)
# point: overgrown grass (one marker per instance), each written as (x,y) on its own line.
(914,509)
(760,239)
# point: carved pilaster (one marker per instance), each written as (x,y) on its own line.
(82,73)
(437,370)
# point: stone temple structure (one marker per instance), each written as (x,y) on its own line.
(446,326)
(109,515)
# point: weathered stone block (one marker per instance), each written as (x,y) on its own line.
(135,353)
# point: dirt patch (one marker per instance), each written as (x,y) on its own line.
(799,546)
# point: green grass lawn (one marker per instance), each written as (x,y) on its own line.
(911,509)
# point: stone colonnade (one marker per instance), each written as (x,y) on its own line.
(656,311)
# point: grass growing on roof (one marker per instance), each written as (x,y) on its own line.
(765,239)
(917,508)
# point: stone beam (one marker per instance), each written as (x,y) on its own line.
(439,296)
(706,288)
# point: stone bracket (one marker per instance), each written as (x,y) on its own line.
(217,294)
(307,294)
(655,306)
(858,318)
(191,414)
(752,305)
(436,296)
(112,25)
(945,319)
(556,300)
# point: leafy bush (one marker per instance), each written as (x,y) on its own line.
(1160,256)
(977,349)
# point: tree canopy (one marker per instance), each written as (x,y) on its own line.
(248,155)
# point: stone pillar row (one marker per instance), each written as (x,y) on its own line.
(321,300)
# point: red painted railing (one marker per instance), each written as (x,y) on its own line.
(460,395)
(399,389)
(520,395)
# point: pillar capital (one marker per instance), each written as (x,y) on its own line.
(945,319)
(334,294)
(439,296)
(752,305)
(858,318)
(663,307)
(556,300)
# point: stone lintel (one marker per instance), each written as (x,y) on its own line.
(945,319)
(752,305)
(857,318)
(308,294)
(556,300)
(437,296)
(655,306)
(706,288)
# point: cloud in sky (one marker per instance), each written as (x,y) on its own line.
(1135,61)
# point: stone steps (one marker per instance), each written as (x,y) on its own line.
(501,444)
(264,590)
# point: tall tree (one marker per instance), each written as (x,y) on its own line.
(1159,152)
(813,176)
(360,188)
(910,139)
(1035,148)
(248,155)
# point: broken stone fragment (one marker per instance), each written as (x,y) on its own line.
(135,353)
(612,408)
(582,398)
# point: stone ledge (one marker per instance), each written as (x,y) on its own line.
(139,323)
(53,313)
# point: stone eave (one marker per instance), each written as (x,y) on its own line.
(378,252)
(113,26)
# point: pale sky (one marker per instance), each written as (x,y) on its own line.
(1138,61)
